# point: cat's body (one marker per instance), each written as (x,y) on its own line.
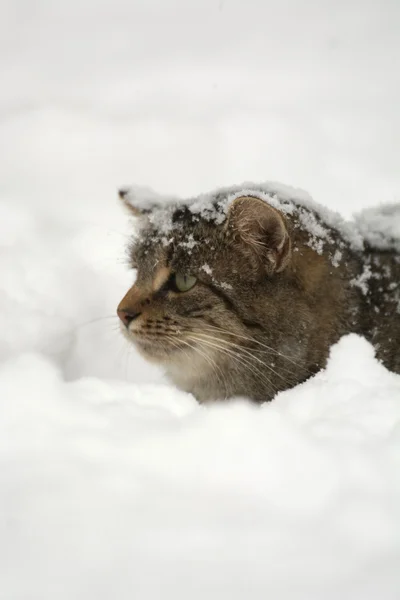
(274,287)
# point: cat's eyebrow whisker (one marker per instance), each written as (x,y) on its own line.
(235,356)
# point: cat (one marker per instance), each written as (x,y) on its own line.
(243,292)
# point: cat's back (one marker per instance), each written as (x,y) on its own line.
(359,289)
(380,279)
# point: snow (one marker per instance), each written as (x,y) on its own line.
(380,226)
(362,280)
(377,227)
(214,206)
(336,258)
(112,483)
(207,269)
(115,489)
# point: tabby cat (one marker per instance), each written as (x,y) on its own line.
(242,292)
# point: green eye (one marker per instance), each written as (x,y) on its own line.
(184,283)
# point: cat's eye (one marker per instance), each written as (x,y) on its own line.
(184,283)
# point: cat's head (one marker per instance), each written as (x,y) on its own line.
(201,275)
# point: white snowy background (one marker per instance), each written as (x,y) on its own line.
(112,483)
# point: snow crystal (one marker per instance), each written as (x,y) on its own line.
(310,224)
(190,242)
(167,241)
(316,244)
(362,280)
(336,258)
(207,269)
(225,286)
(219,284)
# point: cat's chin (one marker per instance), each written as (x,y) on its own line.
(154,353)
(183,364)
(161,354)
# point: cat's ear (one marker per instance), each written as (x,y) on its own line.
(128,200)
(262,229)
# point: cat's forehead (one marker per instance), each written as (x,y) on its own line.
(186,244)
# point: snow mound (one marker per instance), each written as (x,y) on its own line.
(60,284)
(111,489)
(380,226)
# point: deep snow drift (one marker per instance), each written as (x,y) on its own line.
(116,490)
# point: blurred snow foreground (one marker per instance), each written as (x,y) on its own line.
(116,488)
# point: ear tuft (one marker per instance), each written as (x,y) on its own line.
(263,230)
(122,193)
(126,197)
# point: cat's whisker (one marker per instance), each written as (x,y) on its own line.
(207,358)
(237,356)
(253,340)
(122,354)
(176,345)
(93,321)
(238,350)
(203,343)
(245,350)
(50,346)
(240,362)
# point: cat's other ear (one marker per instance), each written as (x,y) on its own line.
(262,229)
(129,203)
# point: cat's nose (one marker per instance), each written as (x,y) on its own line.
(127,316)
